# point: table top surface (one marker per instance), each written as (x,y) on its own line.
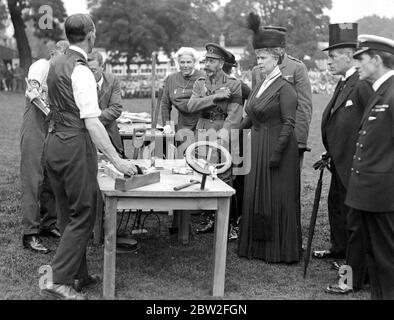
(164,188)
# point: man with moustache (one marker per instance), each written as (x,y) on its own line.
(71,158)
(37,201)
(339,128)
(371,184)
(218,99)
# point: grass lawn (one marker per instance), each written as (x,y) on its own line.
(163,268)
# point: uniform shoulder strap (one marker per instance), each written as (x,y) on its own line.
(294,59)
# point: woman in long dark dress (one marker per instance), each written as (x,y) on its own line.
(270,226)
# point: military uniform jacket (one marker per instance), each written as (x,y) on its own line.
(340,123)
(202,99)
(371,184)
(109,99)
(294,71)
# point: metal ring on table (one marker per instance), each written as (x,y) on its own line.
(191,160)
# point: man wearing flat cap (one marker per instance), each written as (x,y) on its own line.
(339,129)
(218,99)
(295,71)
(371,184)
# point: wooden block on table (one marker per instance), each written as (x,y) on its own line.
(137,181)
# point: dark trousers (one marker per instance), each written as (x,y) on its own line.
(379,242)
(237,199)
(337,215)
(37,202)
(71,161)
(355,251)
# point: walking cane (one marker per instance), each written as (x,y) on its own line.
(319,165)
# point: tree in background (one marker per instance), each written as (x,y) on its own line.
(376,25)
(22,11)
(139,27)
(3,17)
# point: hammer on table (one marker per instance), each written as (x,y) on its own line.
(183,186)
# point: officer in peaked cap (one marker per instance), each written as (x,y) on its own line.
(371,183)
(296,72)
(215,51)
(339,128)
(217,98)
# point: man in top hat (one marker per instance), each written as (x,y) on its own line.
(37,202)
(295,71)
(371,184)
(218,99)
(339,128)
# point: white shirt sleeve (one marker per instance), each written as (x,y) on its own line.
(39,71)
(85,92)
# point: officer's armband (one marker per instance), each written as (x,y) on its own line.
(236,99)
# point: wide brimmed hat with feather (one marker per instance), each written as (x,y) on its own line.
(265,38)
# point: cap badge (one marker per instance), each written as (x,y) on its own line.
(344,26)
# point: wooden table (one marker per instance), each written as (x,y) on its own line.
(144,133)
(161,196)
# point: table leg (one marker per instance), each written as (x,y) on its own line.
(109,247)
(98,226)
(184,222)
(220,246)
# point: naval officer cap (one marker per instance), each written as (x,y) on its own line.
(342,35)
(370,42)
(215,51)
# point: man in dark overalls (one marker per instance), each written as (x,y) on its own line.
(71,157)
(37,201)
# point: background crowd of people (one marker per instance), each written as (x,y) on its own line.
(322,82)
(11,79)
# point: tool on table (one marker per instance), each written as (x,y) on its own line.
(183,186)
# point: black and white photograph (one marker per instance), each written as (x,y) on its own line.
(196,155)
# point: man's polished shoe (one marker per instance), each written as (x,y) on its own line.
(89,282)
(62,292)
(208,228)
(54,233)
(326,254)
(339,289)
(34,243)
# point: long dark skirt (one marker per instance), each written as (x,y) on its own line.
(270,227)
